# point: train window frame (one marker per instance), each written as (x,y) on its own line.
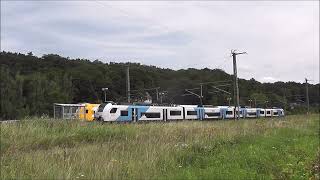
(192,113)
(175,113)
(261,112)
(151,114)
(124,113)
(112,111)
(268,112)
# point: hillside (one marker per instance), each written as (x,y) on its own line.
(30,84)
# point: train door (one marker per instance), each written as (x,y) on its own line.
(136,115)
(164,111)
(133,119)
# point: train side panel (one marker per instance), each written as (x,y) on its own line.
(251,112)
(228,113)
(212,113)
(150,113)
(190,112)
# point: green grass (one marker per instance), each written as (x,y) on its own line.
(279,148)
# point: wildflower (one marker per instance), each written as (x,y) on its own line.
(82,175)
(114,160)
(180,166)
(181,145)
(184,145)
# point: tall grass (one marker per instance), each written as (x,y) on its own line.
(256,148)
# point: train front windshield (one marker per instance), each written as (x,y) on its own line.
(101,107)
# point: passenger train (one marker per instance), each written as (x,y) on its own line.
(134,113)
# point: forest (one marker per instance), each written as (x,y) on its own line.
(30,85)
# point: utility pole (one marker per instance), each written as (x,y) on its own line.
(284,100)
(157,92)
(201,96)
(105,94)
(128,84)
(236,87)
(307,94)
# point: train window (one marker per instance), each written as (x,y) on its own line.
(101,107)
(252,113)
(275,113)
(87,111)
(229,112)
(113,110)
(261,112)
(151,115)
(175,113)
(268,112)
(213,114)
(192,113)
(123,113)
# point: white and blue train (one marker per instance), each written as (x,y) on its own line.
(134,113)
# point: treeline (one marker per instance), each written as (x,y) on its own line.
(30,85)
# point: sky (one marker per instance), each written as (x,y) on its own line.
(281,38)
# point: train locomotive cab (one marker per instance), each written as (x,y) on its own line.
(98,115)
(112,112)
(277,112)
(281,112)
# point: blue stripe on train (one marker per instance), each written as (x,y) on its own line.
(200,114)
(140,109)
(126,118)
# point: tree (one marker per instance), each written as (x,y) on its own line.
(258,99)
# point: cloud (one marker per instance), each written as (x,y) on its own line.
(268,79)
(281,38)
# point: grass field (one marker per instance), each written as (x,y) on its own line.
(278,148)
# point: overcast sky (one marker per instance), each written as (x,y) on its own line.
(281,38)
